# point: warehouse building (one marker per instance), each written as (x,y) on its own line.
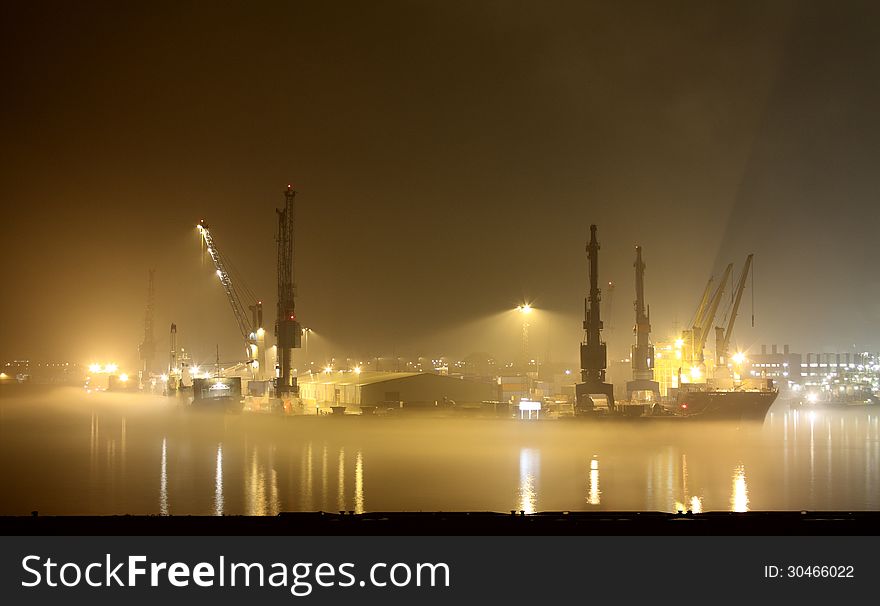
(390,389)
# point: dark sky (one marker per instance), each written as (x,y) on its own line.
(449,158)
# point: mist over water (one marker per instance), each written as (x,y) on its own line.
(66,452)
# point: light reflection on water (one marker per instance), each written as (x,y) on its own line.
(164,461)
(163,480)
(529,469)
(218,482)
(739,498)
(594,493)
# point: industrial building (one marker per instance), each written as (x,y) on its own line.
(390,389)
(783,368)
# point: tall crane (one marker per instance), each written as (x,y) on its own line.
(722,335)
(239,295)
(642,352)
(287,329)
(594,358)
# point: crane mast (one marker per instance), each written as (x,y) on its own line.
(287,329)
(252,331)
(642,354)
(594,359)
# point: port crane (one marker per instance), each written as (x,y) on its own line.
(287,328)
(594,358)
(238,294)
(642,353)
(722,335)
(694,338)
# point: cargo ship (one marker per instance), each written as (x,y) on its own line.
(218,395)
(724,404)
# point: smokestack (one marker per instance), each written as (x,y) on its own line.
(785,349)
(763,350)
(774,349)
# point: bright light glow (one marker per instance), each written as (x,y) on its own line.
(111,368)
(123,377)
(695,373)
(94,368)
(812,397)
(260,332)
(738,358)
(219,274)
(679,343)
(328,369)
(525,308)
(357,370)
(164,378)
(195,370)
(739,500)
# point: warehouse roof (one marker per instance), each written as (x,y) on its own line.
(366,377)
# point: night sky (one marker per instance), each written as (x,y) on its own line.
(448,157)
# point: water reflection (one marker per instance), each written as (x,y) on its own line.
(739,500)
(807,459)
(529,469)
(593,495)
(324,479)
(218,482)
(163,479)
(340,494)
(261,485)
(359,483)
(306,479)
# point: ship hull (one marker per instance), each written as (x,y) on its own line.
(726,405)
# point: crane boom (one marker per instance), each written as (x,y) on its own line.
(709,317)
(235,303)
(701,308)
(722,347)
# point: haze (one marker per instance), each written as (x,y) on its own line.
(449,158)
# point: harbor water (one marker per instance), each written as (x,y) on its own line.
(64,452)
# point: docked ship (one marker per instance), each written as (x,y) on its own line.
(736,404)
(218,394)
(688,387)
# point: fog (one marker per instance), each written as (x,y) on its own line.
(449,160)
(67,452)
